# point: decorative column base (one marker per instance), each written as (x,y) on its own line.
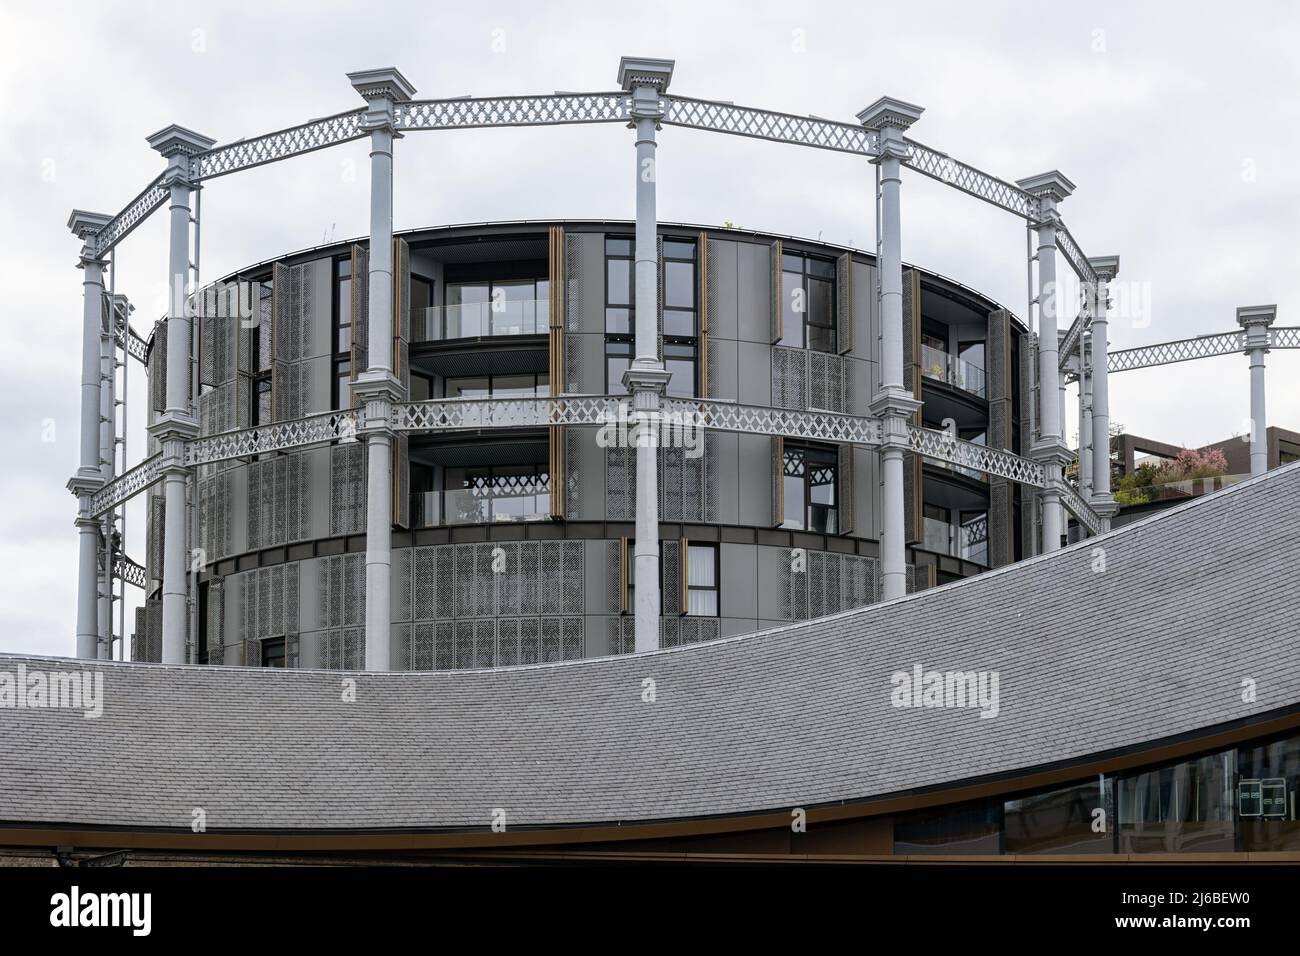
(1055,456)
(83,485)
(895,408)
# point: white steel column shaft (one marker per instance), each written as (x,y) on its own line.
(176,426)
(107,449)
(1256,321)
(1106,267)
(893,404)
(646,378)
(1052,450)
(1085,417)
(377,387)
(175,526)
(88,477)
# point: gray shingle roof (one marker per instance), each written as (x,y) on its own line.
(1191,602)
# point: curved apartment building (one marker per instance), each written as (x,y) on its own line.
(513,545)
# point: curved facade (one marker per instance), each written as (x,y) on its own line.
(512,546)
(1147,721)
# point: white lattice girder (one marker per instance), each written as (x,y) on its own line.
(555,110)
(1183,350)
(1285,337)
(932,443)
(260,150)
(968,179)
(1081,510)
(1070,342)
(136,212)
(126,486)
(276,436)
(459,414)
(1074,255)
(769,125)
(136,347)
(130,572)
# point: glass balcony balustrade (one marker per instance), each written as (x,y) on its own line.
(944,367)
(481,320)
(434,509)
(967,541)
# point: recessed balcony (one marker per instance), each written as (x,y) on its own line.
(941,366)
(468,320)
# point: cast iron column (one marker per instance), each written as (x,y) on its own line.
(378,387)
(1256,319)
(1107,268)
(177,425)
(893,404)
(646,379)
(1049,188)
(89,478)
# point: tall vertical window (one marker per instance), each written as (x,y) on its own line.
(702,580)
(620,325)
(342,391)
(810,475)
(808,302)
(681,329)
(260,343)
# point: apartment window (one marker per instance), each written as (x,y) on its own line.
(680,331)
(498,386)
(260,411)
(808,302)
(702,580)
(342,390)
(496,307)
(620,322)
(273,652)
(810,475)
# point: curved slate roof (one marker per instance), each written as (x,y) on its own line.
(1190,602)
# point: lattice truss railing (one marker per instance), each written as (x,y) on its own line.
(968,179)
(137,211)
(277,436)
(932,443)
(130,571)
(1081,510)
(460,414)
(1285,337)
(294,141)
(135,346)
(1074,256)
(1070,341)
(126,486)
(1183,350)
(558,109)
(767,124)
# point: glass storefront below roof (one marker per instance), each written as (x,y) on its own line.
(1238,800)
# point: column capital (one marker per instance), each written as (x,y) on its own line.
(1256,319)
(85,483)
(86,226)
(173,427)
(381,89)
(1048,188)
(646,378)
(895,409)
(1051,451)
(1106,267)
(890,119)
(377,390)
(645,78)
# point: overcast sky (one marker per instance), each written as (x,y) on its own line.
(1179,123)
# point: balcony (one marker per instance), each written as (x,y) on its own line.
(1180,490)
(435,509)
(941,366)
(481,320)
(969,541)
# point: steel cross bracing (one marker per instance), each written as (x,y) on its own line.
(1183,350)
(1285,337)
(1074,255)
(1081,510)
(558,109)
(767,124)
(1070,341)
(126,485)
(130,571)
(276,436)
(933,443)
(136,212)
(294,141)
(968,179)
